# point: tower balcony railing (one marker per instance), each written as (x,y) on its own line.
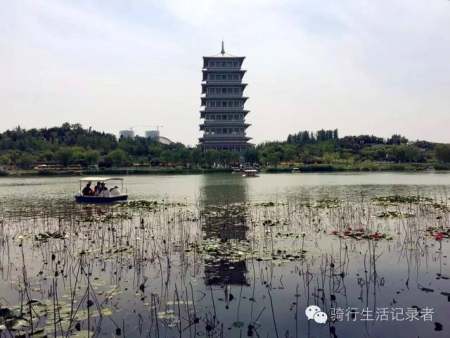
(220,135)
(219,100)
(223,138)
(228,124)
(222,109)
(224,96)
(222,82)
(205,112)
(224,69)
(228,83)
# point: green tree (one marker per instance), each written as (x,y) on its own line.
(273,158)
(47,155)
(78,154)
(117,158)
(91,156)
(167,156)
(25,161)
(442,152)
(406,153)
(211,157)
(184,156)
(197,156)
(397,139)
(375,153)
(289,152)
(251,156)
(5,159)
(64,156)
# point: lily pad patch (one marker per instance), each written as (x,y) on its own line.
(361,233)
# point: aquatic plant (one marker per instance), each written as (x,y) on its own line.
(174,268)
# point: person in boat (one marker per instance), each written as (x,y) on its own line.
(114,191)
(87,191)
(98,189)
(104,192)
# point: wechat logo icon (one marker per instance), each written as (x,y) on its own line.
(314,312)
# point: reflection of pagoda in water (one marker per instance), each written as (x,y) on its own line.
(223,216)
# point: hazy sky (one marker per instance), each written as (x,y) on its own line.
(362,66)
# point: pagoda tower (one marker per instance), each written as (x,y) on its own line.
(222,102)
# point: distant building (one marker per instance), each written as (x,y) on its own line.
(156,136)
(129,133)
(152,134)
(222,102)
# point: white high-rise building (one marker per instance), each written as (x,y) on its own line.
(128,133)
(152,134)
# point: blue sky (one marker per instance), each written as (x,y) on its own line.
(362,66)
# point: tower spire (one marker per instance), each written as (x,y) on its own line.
(223,48)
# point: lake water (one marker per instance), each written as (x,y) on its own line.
(220,255)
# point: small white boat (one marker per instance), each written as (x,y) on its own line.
(112,195)
(295,170)
(250,173)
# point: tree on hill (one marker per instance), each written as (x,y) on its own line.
(116,158)
(442,152)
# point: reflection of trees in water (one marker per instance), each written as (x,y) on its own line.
(223,214)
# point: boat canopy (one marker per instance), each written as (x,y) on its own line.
(100,179)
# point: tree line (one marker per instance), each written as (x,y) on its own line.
(73,144)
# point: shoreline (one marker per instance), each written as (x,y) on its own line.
(315,168)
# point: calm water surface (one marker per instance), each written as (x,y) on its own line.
(227,256)
(268,186)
